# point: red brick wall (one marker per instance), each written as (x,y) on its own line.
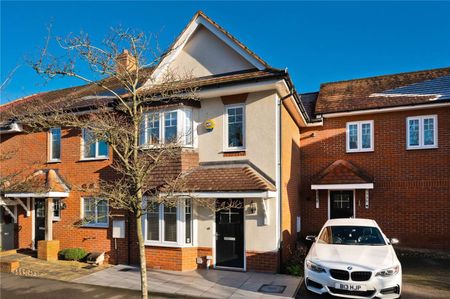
(411,195)
(290,188)
(262,261)
(30,153)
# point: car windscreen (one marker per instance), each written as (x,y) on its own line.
(351,235)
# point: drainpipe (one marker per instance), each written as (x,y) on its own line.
(278,183)
(128,239)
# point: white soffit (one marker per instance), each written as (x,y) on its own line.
(342,186)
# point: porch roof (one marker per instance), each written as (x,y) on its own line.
(223,178)
(42,183)
(342,174)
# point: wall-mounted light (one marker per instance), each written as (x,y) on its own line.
(252,207)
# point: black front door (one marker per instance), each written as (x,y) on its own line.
(39,222)
(230,238)
(341,204)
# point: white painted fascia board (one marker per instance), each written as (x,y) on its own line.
(238,88)
(260,194)
(385,110)
(342,186)
(38,195)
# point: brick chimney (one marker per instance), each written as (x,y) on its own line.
(125,62)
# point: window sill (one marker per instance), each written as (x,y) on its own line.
(234,150)
(162,145)
(421,148)
(53,161)
(95,226)
(93,159)
(360,151)
(173,245)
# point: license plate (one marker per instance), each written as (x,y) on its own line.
(350,287)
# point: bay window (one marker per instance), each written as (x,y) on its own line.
(421,132)
(169,225)
(167,126)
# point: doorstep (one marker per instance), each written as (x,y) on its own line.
(200,283)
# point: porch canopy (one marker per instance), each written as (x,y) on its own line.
(219,180)
(341,175)
(42,183)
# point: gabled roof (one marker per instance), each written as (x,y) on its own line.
(222,178)
(200,18)
(342,172)
(404,89)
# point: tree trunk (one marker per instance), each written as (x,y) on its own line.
(142,259)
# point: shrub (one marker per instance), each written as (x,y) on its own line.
(294,266)
(72,254)
(296,270)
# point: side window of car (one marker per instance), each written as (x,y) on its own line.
(325,236)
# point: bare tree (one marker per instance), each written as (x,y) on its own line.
(116,118)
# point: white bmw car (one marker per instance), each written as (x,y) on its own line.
(352,258)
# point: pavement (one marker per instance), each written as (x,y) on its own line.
(18,287)
(200,283)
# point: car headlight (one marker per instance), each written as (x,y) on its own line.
(388,272)
(314,267)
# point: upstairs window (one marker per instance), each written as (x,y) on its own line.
(359,136)
(55,144)
(174,126)
(421,132)
(235,127)
(92,147)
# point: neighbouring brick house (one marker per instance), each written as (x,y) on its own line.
(285,155)
(381,152)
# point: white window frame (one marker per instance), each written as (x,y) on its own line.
(181,228)
(50,145)
(181,127)
(98,225)
(227,148)
(359,147)
(422,145)
(97,156)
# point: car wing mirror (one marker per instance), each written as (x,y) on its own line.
(310,238)
(394,241)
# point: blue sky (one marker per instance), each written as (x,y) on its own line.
(318,41)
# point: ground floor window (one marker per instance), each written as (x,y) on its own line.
(169,225)
(95,212)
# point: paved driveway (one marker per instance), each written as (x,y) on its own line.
(200,283)
(424,277)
